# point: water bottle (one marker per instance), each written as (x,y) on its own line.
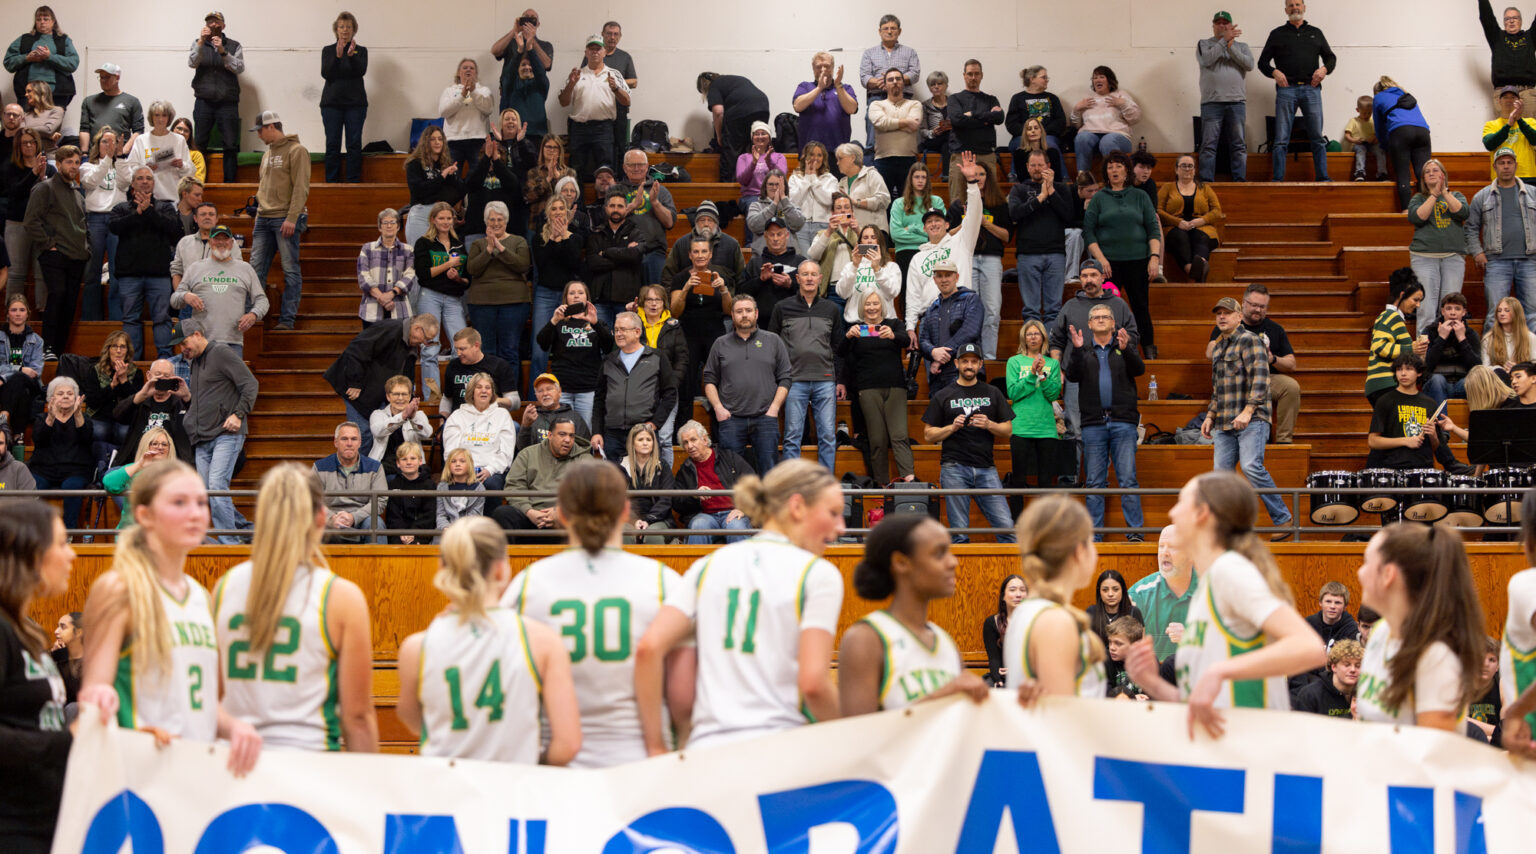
(1152,388)
(1142,146)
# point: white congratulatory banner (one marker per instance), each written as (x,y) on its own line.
(1071,776)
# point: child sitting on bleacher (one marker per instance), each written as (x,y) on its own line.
(459,476)
(406,513)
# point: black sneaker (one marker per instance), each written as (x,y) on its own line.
(1134,538)
(1359,176)
(50,356)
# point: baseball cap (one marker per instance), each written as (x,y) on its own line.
(968,350)
(1223,16)
(1225,304)
(604,168)
(268,117)
(545,378)
(934,212)
(1090,264)
(111,68)
(177,336)
(1508,90)
(775,221)
(946,266)
(594,40)
(212,15)
(1506,151)
(221,231)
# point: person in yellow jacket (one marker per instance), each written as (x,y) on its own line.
(1514,131)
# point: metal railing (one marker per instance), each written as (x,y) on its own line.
(1292,495)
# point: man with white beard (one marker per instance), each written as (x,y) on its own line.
(1164,596)
(222,292)
(725,251)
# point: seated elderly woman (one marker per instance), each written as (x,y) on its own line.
(61,453)
(1103,119)
(398,421)
(386,274)
(485,429)
(1189,209)
(155,445)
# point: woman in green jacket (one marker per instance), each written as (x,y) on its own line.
(907,212)
(1034,384)
(155,445)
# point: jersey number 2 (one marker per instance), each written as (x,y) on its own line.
(749,632)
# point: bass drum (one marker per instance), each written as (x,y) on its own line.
(1428,505)
(1504,508)
(1462,506)
(1333,508)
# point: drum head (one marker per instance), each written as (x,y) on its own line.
(1464,519)
(1334,514)
(1423,510)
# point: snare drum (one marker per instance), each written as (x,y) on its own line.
(1378,479)
(1461,504)
(1430,504)
(1333,508)
(1504,509)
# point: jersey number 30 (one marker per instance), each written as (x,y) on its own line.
(609,631)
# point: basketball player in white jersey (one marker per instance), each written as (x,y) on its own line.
(1242,637)
(471,684)
(763,612)
(1050,646)
(1517,660)
(152,657)
(894,657)
(1424,655)
(295,645)
(601,600)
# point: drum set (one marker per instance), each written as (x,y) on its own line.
(1437,496)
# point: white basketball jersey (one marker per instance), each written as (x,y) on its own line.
(1091,681)
(1436,681)
(479,689)
(601,605)
(1226,617)
(913,670)
(749,602)
(184,699)
(1517,659)
(288,692)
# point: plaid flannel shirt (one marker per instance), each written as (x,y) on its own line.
(1239,378)
(386,269)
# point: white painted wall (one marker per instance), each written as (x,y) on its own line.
(1434,48)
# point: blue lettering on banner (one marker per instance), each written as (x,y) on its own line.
(439,834)
(1008,781)
(1168,795)
(680,829)
(286,828)
(1410,819)
(126,817)
(870,807)
(1298,815)
(1469,825)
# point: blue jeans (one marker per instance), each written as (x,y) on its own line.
(268,240)
(501,332)
(101,242)
(987,279)
(358,417)
(761,430)
(1214,116)
(154,292)
(1504,276)
(1439,389)
(1041,280)
(1246,448)
(216,465)
(545,301)
(821,396)
(958,507)
(1309,99)
(581,403)
(664,436)
(1088,144)
(715,522)
(1439,276)
(336,121)
(1102,444)
(227,115)
(449,312)
(71,505)
(653,262)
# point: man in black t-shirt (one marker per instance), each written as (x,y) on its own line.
(1284,391)
(735,104)
(470,360)
(1401,436)
(967,418)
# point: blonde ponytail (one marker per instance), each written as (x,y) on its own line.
(286,538)
(1050,531)
(470,550)
(763,499)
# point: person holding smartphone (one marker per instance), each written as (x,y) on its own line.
(577,341)
(160,402)
(871,269)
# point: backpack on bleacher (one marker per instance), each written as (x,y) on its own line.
(914,502)
(650,135)
(786,133)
